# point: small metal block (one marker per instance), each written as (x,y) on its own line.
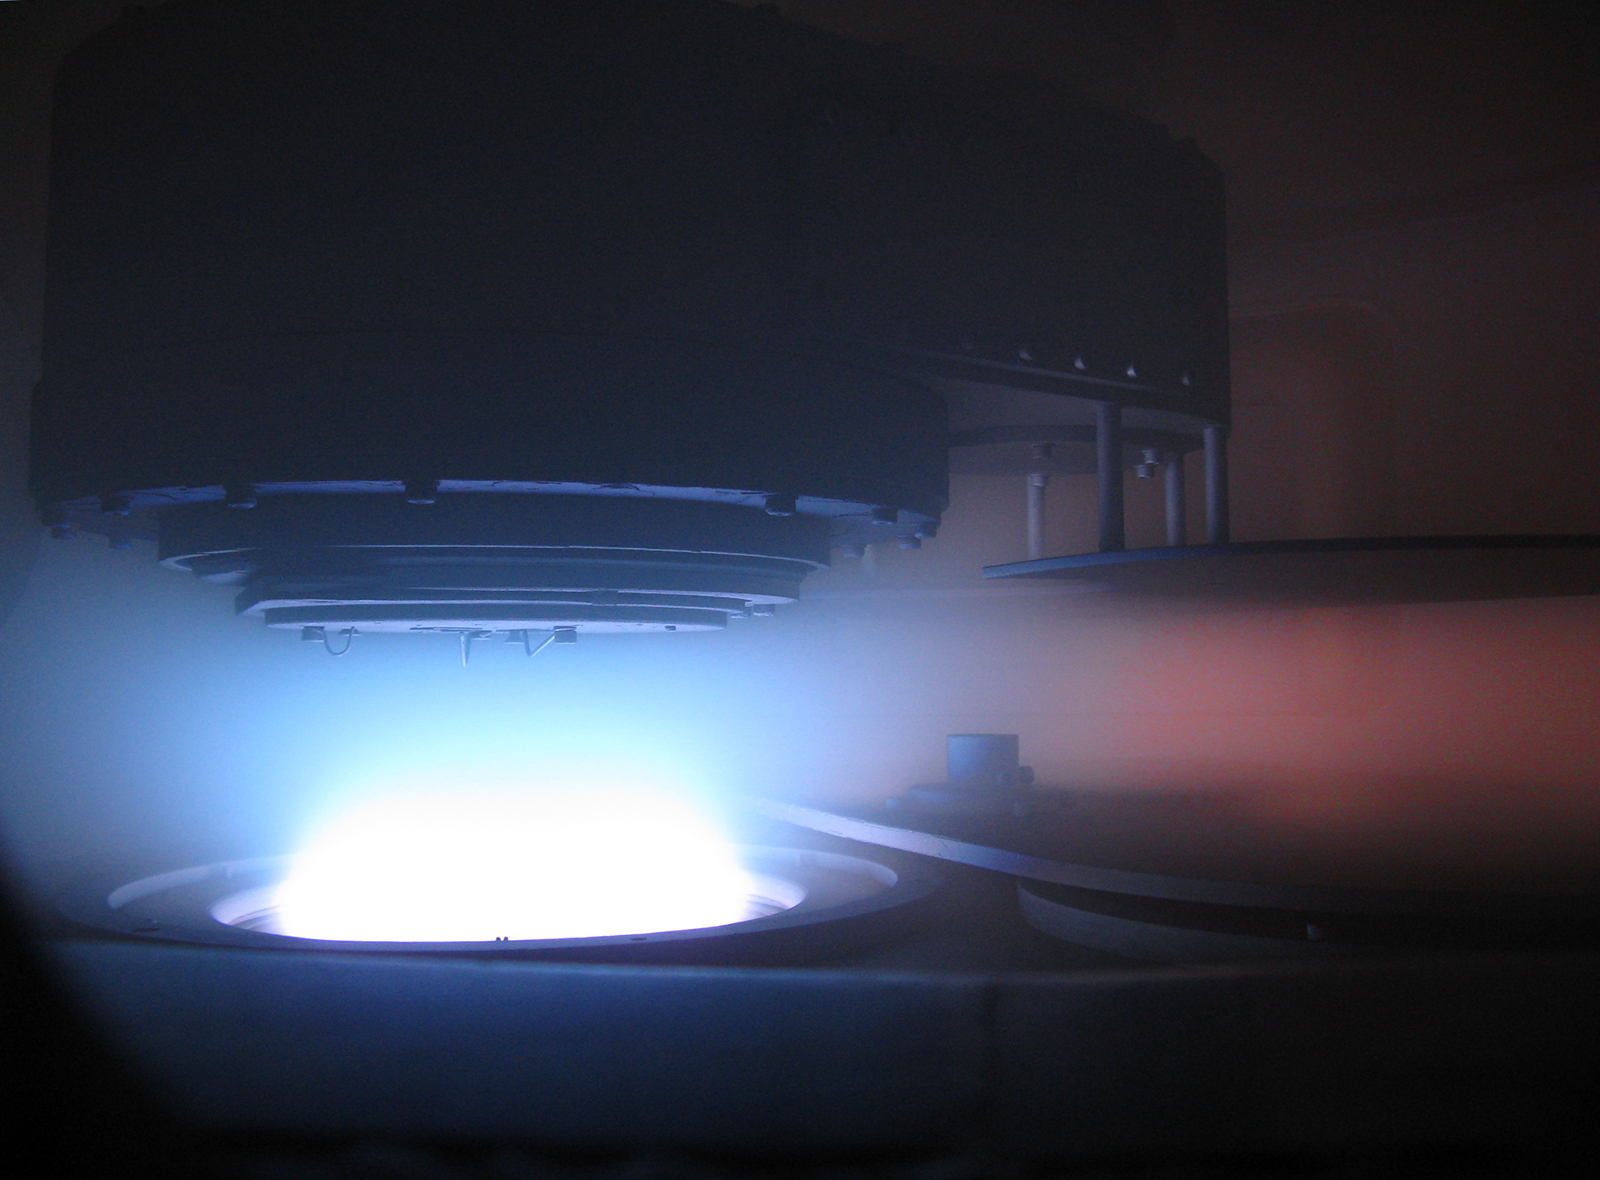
(885,516)
(926,532)
(119,541)
(566,634)
(422,491)
(853,549)
(114,504)
(311,635)
(909,542)
(780,505)
(62,532)
(238,495)
(763,609)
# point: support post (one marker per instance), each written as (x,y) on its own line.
(1216,485)
(1108,460)
(1038,480)
(1177,508)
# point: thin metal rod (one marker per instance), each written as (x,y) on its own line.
(1037,482)
(1177,508)
(1216,485)
(1108,461)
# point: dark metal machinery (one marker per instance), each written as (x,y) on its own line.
(606,315)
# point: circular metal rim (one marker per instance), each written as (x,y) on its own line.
(90,902)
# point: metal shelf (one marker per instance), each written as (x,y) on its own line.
(1346,571)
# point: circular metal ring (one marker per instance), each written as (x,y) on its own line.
(803,905)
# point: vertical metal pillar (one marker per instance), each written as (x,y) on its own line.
(1216,485)
(1177,509)
(1038,480)
(1108,461)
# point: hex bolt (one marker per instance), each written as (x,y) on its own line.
(779,504)
(239,495)
(422,491)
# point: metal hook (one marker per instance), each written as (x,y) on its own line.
(527,643)
(349,634)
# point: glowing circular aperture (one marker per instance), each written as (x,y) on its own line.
(575,863)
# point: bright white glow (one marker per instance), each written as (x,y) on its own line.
(461,867)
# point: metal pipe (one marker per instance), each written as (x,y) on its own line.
(1177,508)
(1038,480)
(1108,461)
(1216,485)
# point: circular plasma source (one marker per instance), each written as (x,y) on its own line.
(576,863)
